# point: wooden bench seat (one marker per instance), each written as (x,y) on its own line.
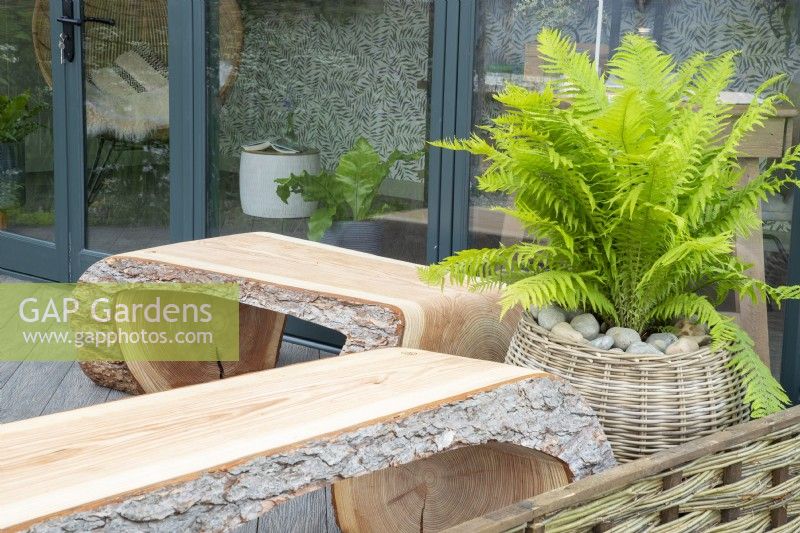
(374,301)
(208,457)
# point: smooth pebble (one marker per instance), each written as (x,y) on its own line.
(701,340)
(604,342)
(623,337)
(642,347)
(567,332)
(665,337)
(682,345)
(550,315)
(587,325)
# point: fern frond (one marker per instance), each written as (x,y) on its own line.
(571,290)
(471,267)
(580,82)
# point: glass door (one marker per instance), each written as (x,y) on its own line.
(124,183)
(31,240)
(84,170)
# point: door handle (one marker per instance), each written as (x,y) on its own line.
(80,22)
(66,41)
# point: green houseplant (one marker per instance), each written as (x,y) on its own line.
(17,120)
(632,196)
(346,197)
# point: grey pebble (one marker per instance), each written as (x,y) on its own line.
(657,339)
(642,347)
(604,342)
(623,337)
(565,331)
(587,325)
(550,315)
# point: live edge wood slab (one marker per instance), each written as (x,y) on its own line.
(374,301)
(211,456)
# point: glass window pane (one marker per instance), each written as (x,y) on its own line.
(26,155)
(315,77)
(127,125)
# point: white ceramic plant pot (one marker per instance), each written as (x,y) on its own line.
(257,174)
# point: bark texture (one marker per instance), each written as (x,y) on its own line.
(541,413)
(366,326)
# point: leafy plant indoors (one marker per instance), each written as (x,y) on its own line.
(347,193)
(17,117)
(632,195)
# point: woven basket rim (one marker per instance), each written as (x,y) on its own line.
(621,357)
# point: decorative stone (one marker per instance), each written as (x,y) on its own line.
(689,328)
(682,345)
(587,325)
(669,338)
(550,315)
(572,313)
(534,311)
(604,342)
(624,337)
(661,340)
(701,340)
(642,347)
(567,332)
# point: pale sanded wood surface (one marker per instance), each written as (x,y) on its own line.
(374,301)
(448,488)
(187,438)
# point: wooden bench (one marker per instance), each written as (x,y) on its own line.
(374,301)
(211,456)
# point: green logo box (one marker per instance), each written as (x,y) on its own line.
(119,321)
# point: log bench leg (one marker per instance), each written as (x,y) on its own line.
(446,489)
(260,334)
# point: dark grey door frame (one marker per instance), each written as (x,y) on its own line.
(33,257)
(454,43)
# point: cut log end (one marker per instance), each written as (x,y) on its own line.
(260,334)
(444,490)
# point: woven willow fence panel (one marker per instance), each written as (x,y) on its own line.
(743,479)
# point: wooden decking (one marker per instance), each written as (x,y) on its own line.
(30,389)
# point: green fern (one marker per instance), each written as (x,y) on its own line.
(630,194)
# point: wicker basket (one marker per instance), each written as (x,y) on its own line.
(645,402)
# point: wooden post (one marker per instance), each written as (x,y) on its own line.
(731,474)
(779,517)
(752,316)
(672,480)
